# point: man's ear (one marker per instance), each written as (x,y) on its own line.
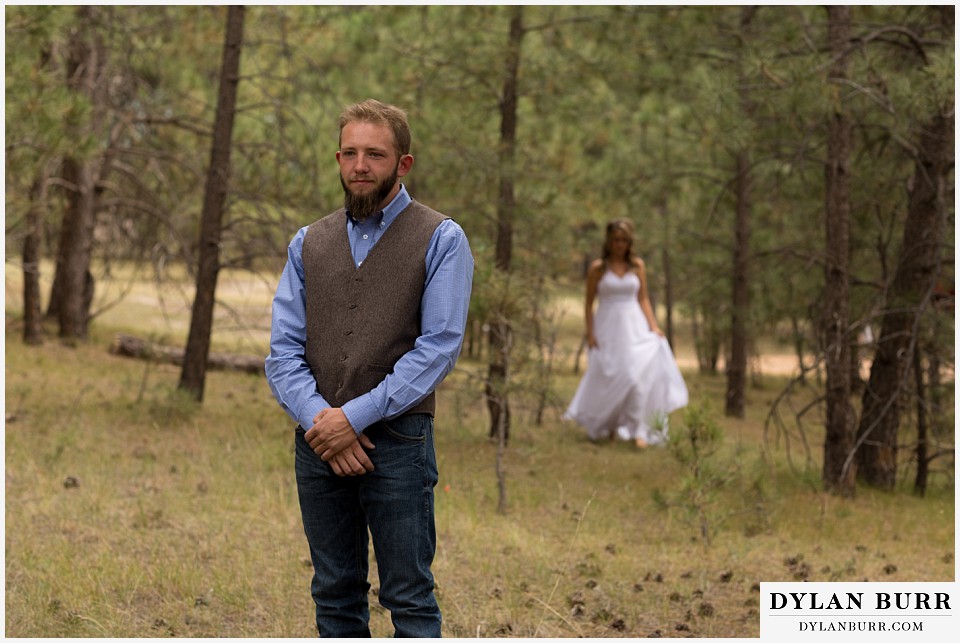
(405,164)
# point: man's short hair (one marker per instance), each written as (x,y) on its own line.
(373,111)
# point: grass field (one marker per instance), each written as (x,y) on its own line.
(132,512)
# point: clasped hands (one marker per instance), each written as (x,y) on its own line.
(333,439)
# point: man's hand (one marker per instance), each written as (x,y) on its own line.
(331,436)
(353,461)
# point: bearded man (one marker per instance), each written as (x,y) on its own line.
(368,319)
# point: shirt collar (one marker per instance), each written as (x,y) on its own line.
(396,206)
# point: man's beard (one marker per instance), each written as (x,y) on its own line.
(363,206)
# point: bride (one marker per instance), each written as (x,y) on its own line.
(632,381)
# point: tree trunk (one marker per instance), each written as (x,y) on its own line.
(838,469)
(798,347)
(910,292)
(72,290)
(545,343)
(193,375)
(76,245)
(667,270)
(706,342)
(32,315)
(697,340)
(923,462)
(737,367)
(740,310)
(498,402)
(662,207)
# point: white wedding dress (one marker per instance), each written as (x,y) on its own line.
(632,381)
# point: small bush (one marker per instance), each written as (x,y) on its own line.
(697,446)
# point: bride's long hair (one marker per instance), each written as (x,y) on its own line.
(627,227)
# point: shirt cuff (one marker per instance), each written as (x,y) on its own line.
(310,410)
(361,412)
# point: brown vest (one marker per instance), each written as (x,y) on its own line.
(361,321)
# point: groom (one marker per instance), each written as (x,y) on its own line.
(368,319)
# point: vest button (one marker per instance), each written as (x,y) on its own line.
(352,306)
(348,332)
(343,358)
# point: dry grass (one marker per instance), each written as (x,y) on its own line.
(132,512)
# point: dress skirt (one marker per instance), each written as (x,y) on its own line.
(632,381)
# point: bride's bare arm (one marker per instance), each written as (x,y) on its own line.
(593,278)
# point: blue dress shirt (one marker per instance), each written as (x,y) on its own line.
(446,299)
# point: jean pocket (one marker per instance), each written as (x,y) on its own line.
(411,428)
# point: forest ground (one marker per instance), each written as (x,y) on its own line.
(131,511)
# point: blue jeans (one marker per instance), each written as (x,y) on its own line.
(395,502)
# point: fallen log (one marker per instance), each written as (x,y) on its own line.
(138,348)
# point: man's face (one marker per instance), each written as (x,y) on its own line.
(369,167)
